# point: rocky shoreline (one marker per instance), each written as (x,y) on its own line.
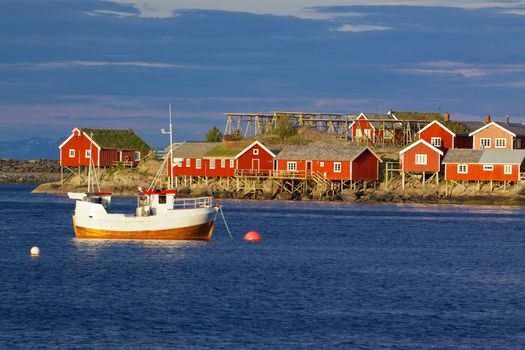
(34,171)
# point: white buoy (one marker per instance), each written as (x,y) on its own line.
(35,251)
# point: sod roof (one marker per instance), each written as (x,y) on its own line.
(418,116)
(321,151)
(117,139)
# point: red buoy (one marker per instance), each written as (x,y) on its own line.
(252,236)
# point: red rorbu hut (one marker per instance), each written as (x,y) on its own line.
(108,147)
(420,157)
(375,128)
(485,165)
(438,135)
(256,159)
(190,159)
(330,161)
(498,135)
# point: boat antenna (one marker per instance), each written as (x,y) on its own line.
(170,132)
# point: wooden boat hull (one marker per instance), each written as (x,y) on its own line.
(202,232)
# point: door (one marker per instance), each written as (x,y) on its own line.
(256,164)
(308,167)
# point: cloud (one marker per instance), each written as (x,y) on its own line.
(461,69)
(120,14)
(359,28)
(306,9)
(79,64)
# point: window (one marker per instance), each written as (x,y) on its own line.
(223,163)
(212,163)
(255,151)
(484,142)
(435,141)
(421,159)
(488,167)
(508,169)
(137,155)
(337,167)
(292,166)
(198,163)
(188,162)
(88,153)
(501,143)
(232,163)
(321,164)
(71,153)
(177,162)
(462,168)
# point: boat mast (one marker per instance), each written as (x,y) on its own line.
(170,171)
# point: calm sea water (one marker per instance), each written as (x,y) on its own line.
(325,275)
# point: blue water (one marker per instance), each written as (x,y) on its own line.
(325,275)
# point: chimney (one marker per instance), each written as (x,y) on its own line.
(508,119)
(487,119)
(447,117)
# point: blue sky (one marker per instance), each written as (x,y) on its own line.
(117,64)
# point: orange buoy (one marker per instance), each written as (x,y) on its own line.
(252,236)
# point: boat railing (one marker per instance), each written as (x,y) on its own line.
(192,203)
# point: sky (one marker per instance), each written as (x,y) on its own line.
(119,63)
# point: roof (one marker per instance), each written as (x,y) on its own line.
(322,151)
(379,124)
(462,156)
(418,116)
(509,156)
(193,149)
(516,128)
(435,122)
(230,149)
(424,143)
(117,139)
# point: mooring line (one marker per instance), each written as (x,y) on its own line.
(225,223)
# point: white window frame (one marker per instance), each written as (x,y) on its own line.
(481,140)
(321,164)
(291,166)
(198,163)
(436,141)
(255,151)
(337,167)
(71,153)
(503,144)
(188,162)
(232,163)
(421,159)
(488,167)
(223,163)
(212,163)
(507,169)
(137,155)
(88,153)
(465,171)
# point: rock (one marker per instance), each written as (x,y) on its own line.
(348,195)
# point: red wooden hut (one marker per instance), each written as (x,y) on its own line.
(375,131)
(485,165)
(190,159)
(422,158)
(331,161)
(108,147)
(438,135)
(256,159)
(498,135)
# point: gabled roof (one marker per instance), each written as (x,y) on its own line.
(515,129)
(253,144)
(377,123)
(418,116)
(193,149)
(422,142)
(323,151)
(435,122)
(455,156)
(117,139)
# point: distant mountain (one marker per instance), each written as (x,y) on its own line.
(33,148)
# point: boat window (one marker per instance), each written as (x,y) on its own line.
(162,199)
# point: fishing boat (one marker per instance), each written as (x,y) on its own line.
(159,215)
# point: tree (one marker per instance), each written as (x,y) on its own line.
(214,135)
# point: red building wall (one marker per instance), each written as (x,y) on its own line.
(80,143)
(492,132)
(476,173)
(365,167)
(408,159)
(205,169)
(262,162)
(436,130)
(325,168)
